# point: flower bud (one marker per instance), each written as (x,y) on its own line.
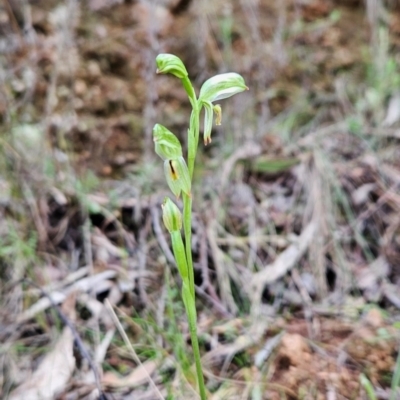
(221,87)
(167,145)
(170,64)
(172,217)
(177,175)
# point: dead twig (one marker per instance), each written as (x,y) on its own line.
(77,339)
(142,256)
(312,323)
(218,306)
(220,267)
(247,151)
(130,347)
(284,263)
(205,272)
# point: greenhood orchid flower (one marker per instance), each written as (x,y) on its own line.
(172,217)
(170,64)
(167,145)
(169,148)
(217,88)
(177,175)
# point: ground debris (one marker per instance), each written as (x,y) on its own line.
(296,231)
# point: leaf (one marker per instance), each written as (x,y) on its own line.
(53,373)
(273,165)
(137,377)
(393,111)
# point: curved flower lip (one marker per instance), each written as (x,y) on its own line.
(221,87)
(169,63)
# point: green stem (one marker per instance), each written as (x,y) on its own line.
(193,133)
(190,306)
(193,139)
(196,353)
(179,253)
(187,228)
(189,90)
(395,378)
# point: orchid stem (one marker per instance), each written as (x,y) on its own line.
(193,135)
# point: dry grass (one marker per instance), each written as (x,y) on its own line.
(296,237)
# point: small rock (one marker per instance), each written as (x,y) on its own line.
(293,347)
(374,318)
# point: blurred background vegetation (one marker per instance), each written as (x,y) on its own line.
(296,236)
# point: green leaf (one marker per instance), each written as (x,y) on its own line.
(368,387)
(190,306)
(272,165)
(180,255)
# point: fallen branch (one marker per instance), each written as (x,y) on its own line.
(283,264)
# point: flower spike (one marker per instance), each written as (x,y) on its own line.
(179,177)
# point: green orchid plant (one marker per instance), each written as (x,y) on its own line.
(179,174)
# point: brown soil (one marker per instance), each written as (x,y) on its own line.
(85,74)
